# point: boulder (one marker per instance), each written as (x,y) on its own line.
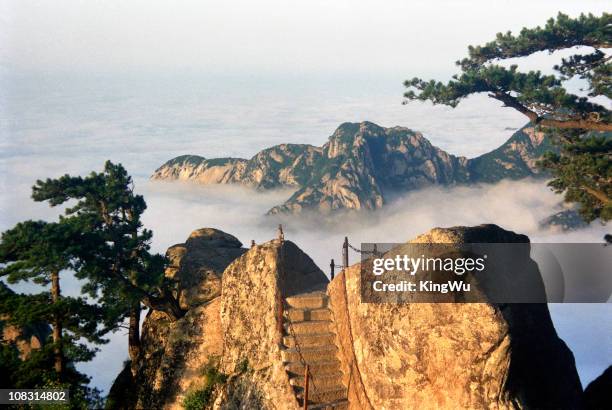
(234,322)
(198,263)
(444,355)
(174,353)
(251,321)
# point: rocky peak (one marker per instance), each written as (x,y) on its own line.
(363,161)
(359,165)
(349,135)
(173,353)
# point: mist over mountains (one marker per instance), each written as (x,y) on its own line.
(128,120)
(360,167)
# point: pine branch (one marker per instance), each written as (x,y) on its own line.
(536,119)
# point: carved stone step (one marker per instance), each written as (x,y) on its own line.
(313,300)
(309,354)
(323,395)
(321,381)
(310,339)
(316,368)
(301,315)
(309,327)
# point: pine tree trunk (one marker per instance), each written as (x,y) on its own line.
(134,326)
(57,327)
(134,336)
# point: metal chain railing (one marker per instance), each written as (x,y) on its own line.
(372,252)
(353,365)
(345,255)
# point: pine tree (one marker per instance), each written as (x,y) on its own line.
(113,257)
(583,173)
(41,253)
(579,124)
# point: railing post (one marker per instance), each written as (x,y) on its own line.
(281,235)
(306,382)
(345,246)
(332,266)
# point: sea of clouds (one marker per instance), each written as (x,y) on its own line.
(51,125)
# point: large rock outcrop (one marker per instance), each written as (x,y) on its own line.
(392,356)
(254,287)
(359,167)
(234,322)
(445,355)
(174,353)
(197,264)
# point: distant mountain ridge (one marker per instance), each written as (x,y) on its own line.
(359,166)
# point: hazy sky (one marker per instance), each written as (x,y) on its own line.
(265,35)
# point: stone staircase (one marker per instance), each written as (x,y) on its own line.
(309,338)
